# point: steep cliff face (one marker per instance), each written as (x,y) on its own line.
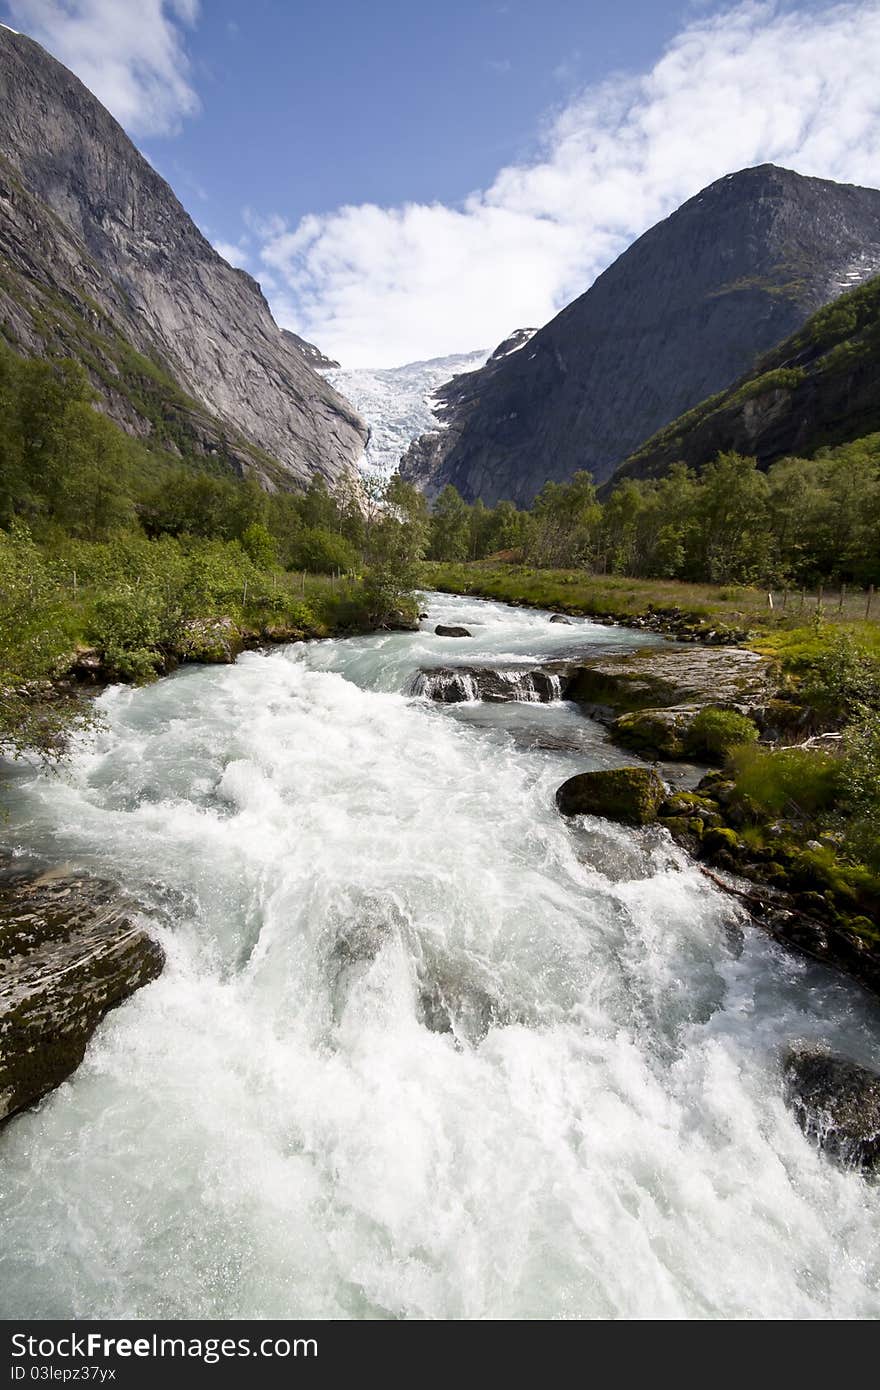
(819,387)
(100,261)
(687,309)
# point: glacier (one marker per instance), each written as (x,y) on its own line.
(396,402)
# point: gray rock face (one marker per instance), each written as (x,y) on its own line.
(313,355)
(651,679)
(69,951)
(101,262)
(681,314)
(820,387)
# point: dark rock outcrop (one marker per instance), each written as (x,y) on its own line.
(101,263)
(630,795)
(837,1104)
(452,685)
(69,951)
(683,312)
(442,631)
(211,641)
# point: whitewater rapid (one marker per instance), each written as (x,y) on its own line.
(422,1049)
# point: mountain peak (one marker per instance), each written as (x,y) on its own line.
(113,270)
(683,312)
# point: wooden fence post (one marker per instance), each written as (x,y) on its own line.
(868,603)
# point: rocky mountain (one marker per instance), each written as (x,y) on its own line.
(686,310)
(313,355)
(99,261)
(819,387)
(401,403)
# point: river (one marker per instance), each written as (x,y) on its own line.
(422,1048)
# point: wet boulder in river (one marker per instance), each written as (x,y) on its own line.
(836,1102)
(630,795)
(452,685)
(441,630)
(69,951)
(558,618)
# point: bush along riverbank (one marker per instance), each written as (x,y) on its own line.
(788,816)
(132,607)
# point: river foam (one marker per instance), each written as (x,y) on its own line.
(422,1048)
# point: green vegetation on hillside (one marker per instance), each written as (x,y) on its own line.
(820,387)
(141,561)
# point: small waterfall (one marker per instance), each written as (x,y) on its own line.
(454,685)
(532,687)
(448,687)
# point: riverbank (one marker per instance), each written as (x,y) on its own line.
(713,613)
(778,819)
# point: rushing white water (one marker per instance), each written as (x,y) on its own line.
(422,1048)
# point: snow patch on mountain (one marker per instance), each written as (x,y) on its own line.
(396,402)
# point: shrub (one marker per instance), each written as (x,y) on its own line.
(322,552)
(714,733)
(129,626)
(842,674)
(861,787)
(803,780)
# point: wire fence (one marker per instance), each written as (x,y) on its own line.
(846,603)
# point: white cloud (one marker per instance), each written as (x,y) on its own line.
(131,55)
(759,82)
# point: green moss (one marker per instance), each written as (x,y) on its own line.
(649,731)
(630,795)
(682,827)
(720,838)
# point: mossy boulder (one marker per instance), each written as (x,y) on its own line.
(780,716)
(209,641)
(719,839)
(658,733)
(691,804)
(664,678)
(630,795)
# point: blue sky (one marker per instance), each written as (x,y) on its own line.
(408,180)
(309,105)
